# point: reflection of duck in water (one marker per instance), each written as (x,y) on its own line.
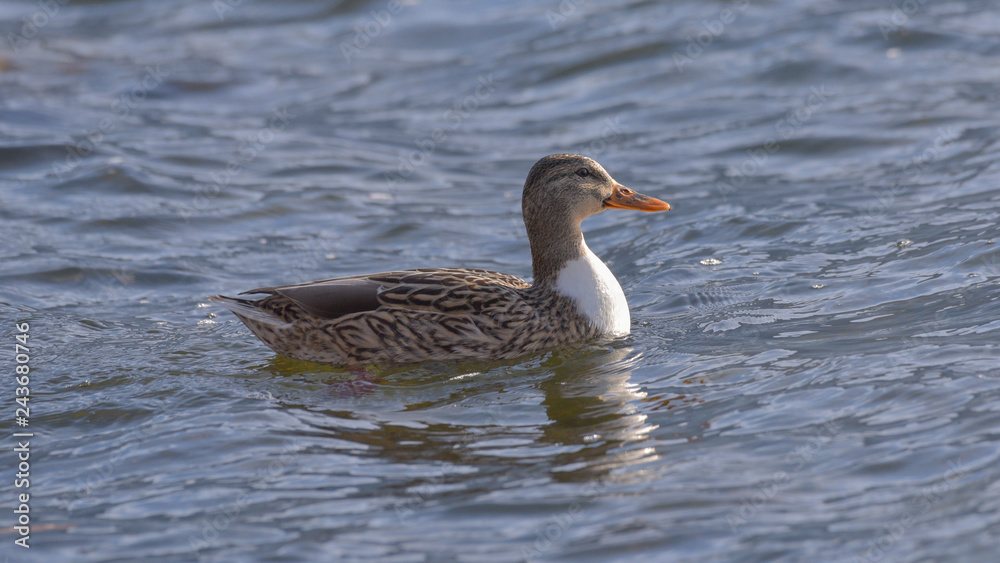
(452,313)
(591,401)
(601,419)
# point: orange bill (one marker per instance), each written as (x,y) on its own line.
(624,198)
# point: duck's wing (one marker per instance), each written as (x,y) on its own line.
(443,290)
(329,298)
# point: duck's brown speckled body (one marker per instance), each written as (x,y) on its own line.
(452,313)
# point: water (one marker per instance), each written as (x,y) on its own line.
(813,370)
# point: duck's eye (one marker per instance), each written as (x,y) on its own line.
(583,172)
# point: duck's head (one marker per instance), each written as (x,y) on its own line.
(561,191)
(573,187)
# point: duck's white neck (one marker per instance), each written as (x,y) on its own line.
(597,293)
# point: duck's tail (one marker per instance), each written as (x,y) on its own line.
(248,309)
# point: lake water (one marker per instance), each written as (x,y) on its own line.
(813,372)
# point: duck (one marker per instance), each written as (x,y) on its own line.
(440,314)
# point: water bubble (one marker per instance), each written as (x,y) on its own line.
(710,262)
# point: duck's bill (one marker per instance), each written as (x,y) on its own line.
(624,198)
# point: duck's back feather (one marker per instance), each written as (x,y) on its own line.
(408,316)
(453,291)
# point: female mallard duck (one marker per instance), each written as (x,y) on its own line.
(451,313)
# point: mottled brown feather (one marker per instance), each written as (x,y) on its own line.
(424,314)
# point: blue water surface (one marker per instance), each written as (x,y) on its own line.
(813,372)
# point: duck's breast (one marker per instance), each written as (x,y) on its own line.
(597,293)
